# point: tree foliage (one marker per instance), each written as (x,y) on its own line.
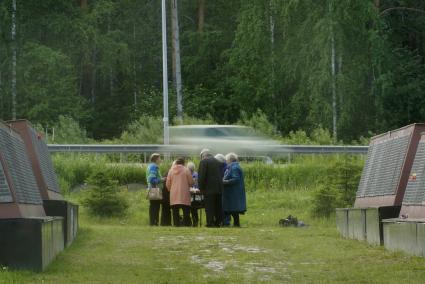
(303,64)
(104,198)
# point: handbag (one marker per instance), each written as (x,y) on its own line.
(154,193)
(197,200)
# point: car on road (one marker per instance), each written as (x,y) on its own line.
(243,140)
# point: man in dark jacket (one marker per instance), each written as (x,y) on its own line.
(210,181)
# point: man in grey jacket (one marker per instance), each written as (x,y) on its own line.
(210,181)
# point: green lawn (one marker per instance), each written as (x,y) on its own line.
(128,251)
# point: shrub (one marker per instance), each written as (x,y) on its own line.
(346,177)
(298,137)
(338,187)
(126,174)
(145,130)
(69,131)
(64,186)
(321,136)
(103,197)
(259,122)
(190,120)
(324,201)
(76,169)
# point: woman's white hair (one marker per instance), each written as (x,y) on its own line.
(232,157)
(191,166)
(220,157)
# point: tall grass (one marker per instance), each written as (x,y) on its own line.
(305,172)
(74,170)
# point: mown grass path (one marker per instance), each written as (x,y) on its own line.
(134,254)
(128,251)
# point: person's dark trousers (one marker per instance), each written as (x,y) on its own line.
(176,215)
(154,206)
(226,219)
(213,210)
(236,221)
(195,217)
(165,209)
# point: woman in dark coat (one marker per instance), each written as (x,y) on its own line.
(165,208)
(234,198)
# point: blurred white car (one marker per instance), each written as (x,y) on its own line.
(221,138)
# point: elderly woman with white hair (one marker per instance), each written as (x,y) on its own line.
(222,159)
(234,197)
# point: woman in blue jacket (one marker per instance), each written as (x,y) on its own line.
(153,179)
(234,198)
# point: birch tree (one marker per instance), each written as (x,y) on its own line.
(14,48)
(177,77)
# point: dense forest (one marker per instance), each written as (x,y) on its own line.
(354,67)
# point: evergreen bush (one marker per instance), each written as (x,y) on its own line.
(338,187)
(103,197)
(324,201)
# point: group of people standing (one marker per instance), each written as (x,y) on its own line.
(219,180)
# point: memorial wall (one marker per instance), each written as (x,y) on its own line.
(387,167)
(39,157)
(19,194)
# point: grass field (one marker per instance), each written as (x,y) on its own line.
(126,250)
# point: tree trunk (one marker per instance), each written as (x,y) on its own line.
(83,5)
(80,80)
(333,79)
(272,56)
(1,97)
(177,77)
(339,70)
(201,15)
(86,85)
(111,70)
(377,3)
(134,69)
(13,59)
(93,76)
(334,112)
(165,72)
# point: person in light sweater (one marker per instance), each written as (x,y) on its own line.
(179,181)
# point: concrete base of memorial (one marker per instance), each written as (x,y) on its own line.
(69,212)
(406,235)
(364,224)
(342,221)
(30,243)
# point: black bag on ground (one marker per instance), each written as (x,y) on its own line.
(292,221)
(289,221)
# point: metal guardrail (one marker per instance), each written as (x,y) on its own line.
(189,150)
